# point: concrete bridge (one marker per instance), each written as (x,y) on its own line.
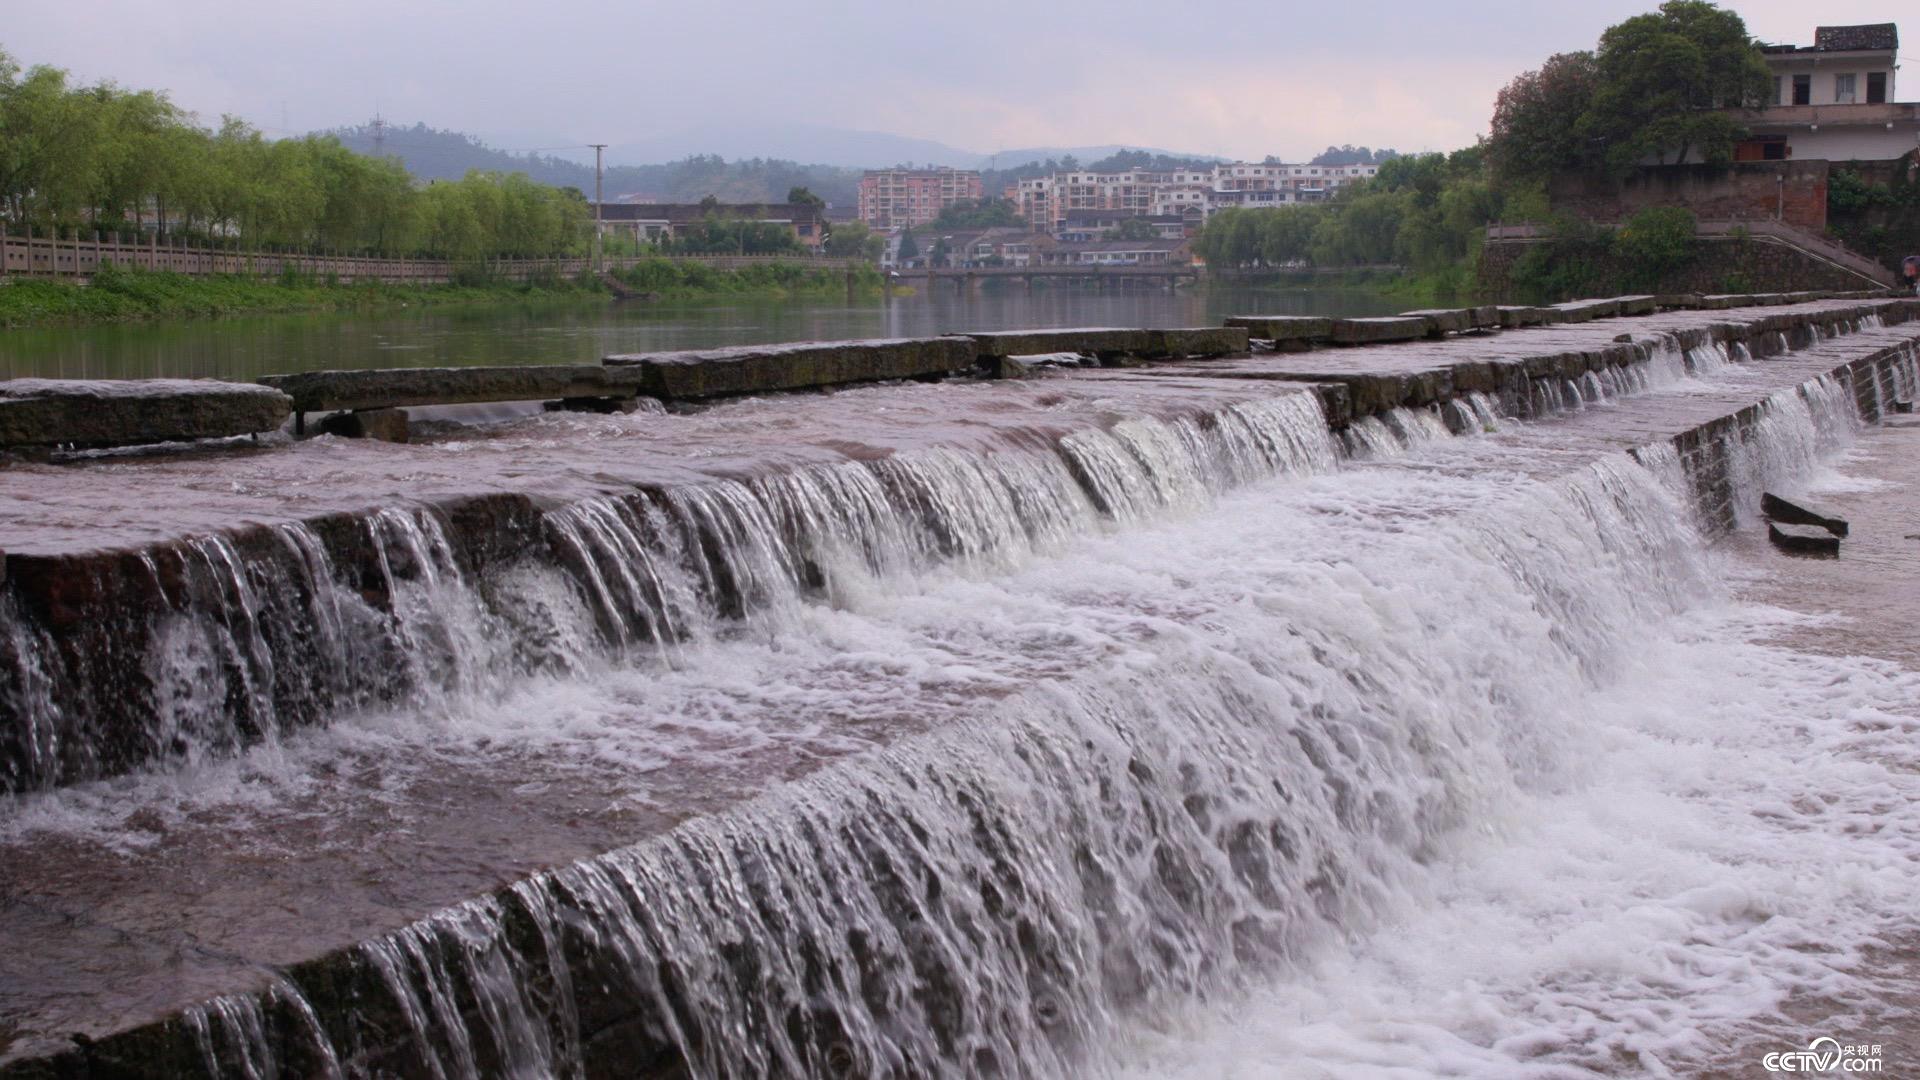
(481,894)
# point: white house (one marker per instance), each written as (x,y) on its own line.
(1834,100)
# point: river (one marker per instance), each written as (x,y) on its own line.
(582,332)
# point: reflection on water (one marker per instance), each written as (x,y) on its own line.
(554,333)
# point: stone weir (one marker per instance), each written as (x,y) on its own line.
(184,607)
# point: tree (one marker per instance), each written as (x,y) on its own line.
(1657,88)
(852,240)
(1133,228)
(940,252)
(1537,120)
(800,196)
(1662,78)
(908,249)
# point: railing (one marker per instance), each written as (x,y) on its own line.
(76,258)
(1811,244)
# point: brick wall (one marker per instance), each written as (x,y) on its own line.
(1795,191)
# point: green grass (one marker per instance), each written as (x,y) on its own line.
(670,278)
(132,295)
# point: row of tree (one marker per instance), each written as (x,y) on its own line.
(1424,211)
(114,160)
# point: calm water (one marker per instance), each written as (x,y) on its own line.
(584,332)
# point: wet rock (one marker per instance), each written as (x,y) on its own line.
(388,388)
(1285,328)
(1511,316)
(1580,311)
(1680,301)
(387,425)
(1637,305)
(1441,321)
(1804,540)
(1203,341)
(129,412)
(1789,512)
(1375,330)
(758,369)
(1032,367)
(1106,343)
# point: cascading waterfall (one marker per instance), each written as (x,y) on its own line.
(994,898)
(991,899)
(1268,750)
(249,640)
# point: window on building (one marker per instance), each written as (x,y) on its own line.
(1778,89)
(1843,89)
(1803,89)
(1876,88)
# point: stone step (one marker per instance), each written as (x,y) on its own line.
(757,369)
(131,412)
(1789,512)
(391,388)
(1804,540)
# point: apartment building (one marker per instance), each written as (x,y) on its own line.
(902,198)
(1047,202)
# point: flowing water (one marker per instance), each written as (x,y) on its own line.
(582,332)
(1213,745)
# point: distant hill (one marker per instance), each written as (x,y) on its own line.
(432,154)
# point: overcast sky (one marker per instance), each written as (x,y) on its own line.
(1198,76)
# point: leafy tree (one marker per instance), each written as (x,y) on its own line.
(1537,120)
(800,196)
(852,240)
(1657,242)
(939,254)
(1664,76)
(908,249)
(1656,88)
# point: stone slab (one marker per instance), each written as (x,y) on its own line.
(1285,327)
(131,412)
(1443,320)
(1791,512)
(1376,330)
(757,369)
(1517,315)
(1181,342)
(1091,340)
(388,388)
(1803,540)
(1588,310)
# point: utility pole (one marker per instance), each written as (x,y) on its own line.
(379,135)
(599,252)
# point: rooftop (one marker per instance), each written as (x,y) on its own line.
(1865,37)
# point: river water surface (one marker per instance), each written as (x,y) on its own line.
(583,332)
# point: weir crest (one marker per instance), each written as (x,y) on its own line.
(1072,731)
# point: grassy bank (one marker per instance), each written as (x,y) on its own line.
(132,296)
(671,278)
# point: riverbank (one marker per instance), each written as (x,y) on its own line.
(124,296)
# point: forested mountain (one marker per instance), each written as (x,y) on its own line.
(432,154)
